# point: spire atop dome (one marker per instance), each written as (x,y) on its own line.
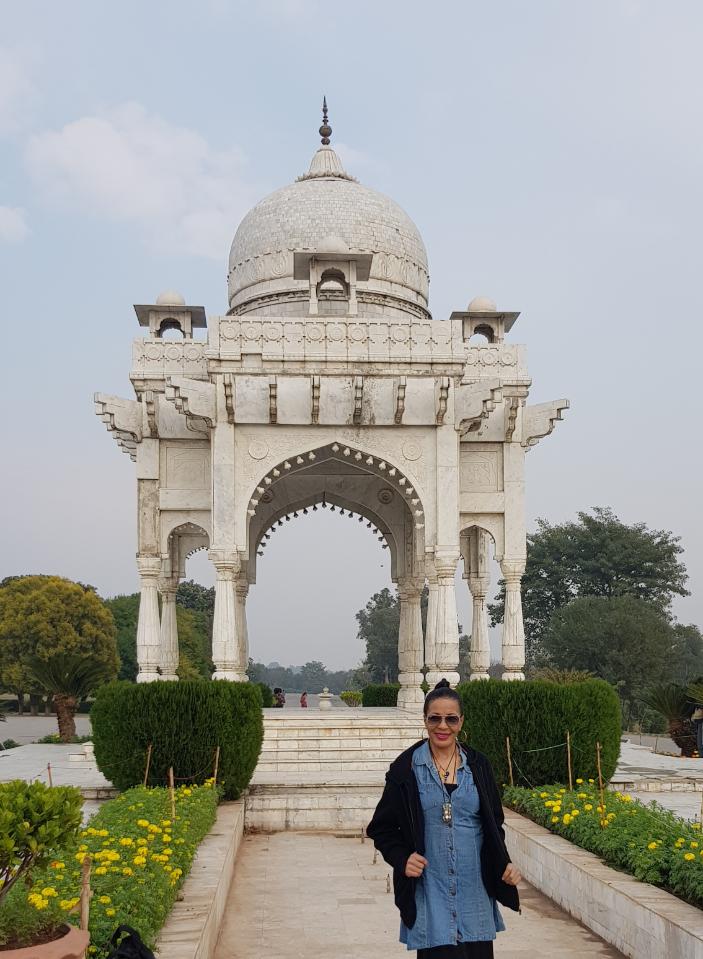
(326,163)
(325,129)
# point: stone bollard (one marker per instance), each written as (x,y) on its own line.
(325,699)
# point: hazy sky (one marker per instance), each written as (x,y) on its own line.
(550,153)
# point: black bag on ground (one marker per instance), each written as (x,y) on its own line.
(131,947)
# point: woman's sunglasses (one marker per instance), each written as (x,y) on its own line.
(452,721)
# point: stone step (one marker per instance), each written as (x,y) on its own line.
(317,765)
(389,745)
(345,808)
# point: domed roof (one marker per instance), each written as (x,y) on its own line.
(482,304)
(326,208)
(170,298)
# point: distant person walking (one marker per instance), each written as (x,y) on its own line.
(279,698)
(304,700)
(439,824)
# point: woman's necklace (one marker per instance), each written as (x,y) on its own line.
(443,772)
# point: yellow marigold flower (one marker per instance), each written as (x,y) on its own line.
(58,865)
(575,812)
(80,856)
(169,852)
(154,828)
(583,795)
(139,860)
(567,819)
(103,832)
(50,891)
(126,841)
(166,823)
(562,791)
(142,841)
(694,844)
(168,868)
(167,838)
(104,900)
(109,912)
(695,825)
(101,871)
(627,797)
(579,781)
(548,803)
(591,780)
(588,806)
(127,871)
(651,845)
(144,823)
(689,856)
(187,792)
(600,809)
(611,815)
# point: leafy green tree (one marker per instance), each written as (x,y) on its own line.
(596,555)
(686,654)
(379,622)
(44,616)
(193,644)
(125,612)
(69,679)
(313,676)
(622,639)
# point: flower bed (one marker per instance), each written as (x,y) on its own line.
(649,842)
(140,857)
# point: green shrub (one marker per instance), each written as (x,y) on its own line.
(35,821)
(266,695)
(184,722)
(54,738)
(380,695)
(352,697)
(536,716)
(649,842)
(127,887)
(9,744)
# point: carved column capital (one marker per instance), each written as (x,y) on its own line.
(479,586)
(512,570)
(445,564)
(225,561)
(149,567)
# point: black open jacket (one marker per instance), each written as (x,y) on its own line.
(398,830)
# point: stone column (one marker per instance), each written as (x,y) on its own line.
(410,695)
(480,646)
(447,630)
(148,625)
(241,589)
(479,580)
(432,676)
(224,627)
(513,628)
(169,630)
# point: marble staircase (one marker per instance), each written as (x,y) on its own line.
(324,770)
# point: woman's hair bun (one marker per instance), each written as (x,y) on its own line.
(443,684)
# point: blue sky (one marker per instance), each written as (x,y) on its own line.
(550,153)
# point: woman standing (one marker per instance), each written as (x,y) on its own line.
(439,824)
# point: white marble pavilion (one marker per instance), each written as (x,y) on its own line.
(328,384)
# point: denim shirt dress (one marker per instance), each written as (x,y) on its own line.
(452,903)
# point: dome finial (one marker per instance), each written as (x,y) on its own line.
(325,129)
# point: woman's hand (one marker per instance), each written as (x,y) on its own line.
(511,875)
(415,866)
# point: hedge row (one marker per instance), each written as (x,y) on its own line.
(649,842)
(536,716)
(184,722)
(266,695)
(381,695)
(141,857)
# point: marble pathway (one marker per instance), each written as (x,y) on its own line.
(305,895)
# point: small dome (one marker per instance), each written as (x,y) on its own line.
(170,298)
(334,245)
(482,304)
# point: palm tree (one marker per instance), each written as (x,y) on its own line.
(673,703)
(68,679)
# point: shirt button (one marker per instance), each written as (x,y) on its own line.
(451,871)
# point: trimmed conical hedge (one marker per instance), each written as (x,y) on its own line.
(536,716)
(184,722)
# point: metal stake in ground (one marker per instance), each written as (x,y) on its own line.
(173,793)
(510,761)
(148,763)
(217,766)
(85,892)
(603,820)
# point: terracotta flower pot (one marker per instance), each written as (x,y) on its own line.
(72,945)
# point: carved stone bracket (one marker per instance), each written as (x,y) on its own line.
(315,406)
(539,421)
(273,400)
(228,383)
(515,397)
(474,403)
(149,401)
(358,397)
(124,418)
(195,399)
(400,399)
(442,400)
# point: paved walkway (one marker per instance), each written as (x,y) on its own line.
(302,895)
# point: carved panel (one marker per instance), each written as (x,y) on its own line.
(187,467)
(480,471)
